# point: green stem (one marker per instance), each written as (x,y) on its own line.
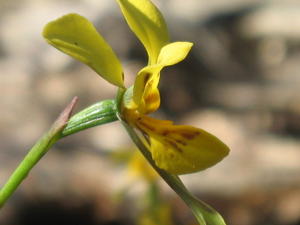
(97,114)
(36,153)
(30,160)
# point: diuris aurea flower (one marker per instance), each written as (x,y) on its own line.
(178,149)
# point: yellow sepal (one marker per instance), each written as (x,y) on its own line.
(77,37)
(146,21)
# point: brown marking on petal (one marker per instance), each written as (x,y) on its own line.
(147,137)
(189,135)
(146,78)
(181,142)
(172,155)
(153,97)
(165,132)
(174,145)
(146,125)
(138,127)
(122,76)
(144,134)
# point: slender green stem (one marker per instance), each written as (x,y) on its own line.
(97,114)
(36,153)
(30,160)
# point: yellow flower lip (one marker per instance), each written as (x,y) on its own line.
(178,149)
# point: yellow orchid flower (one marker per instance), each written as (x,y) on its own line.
(178,149)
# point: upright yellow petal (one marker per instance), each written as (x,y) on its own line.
(181,149)
(145,92)
(174,52)
(77,37)
(146,21)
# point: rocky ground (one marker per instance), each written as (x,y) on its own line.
(240,82)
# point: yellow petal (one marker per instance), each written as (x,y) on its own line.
(77,37)
(174,53)
(146,21)
(145,92)
(181,149)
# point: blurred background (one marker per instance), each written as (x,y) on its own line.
(241,82)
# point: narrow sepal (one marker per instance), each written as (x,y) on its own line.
(148,24)
(76,36)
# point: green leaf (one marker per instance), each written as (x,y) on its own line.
(146,21)
(97,114)
(77,37)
